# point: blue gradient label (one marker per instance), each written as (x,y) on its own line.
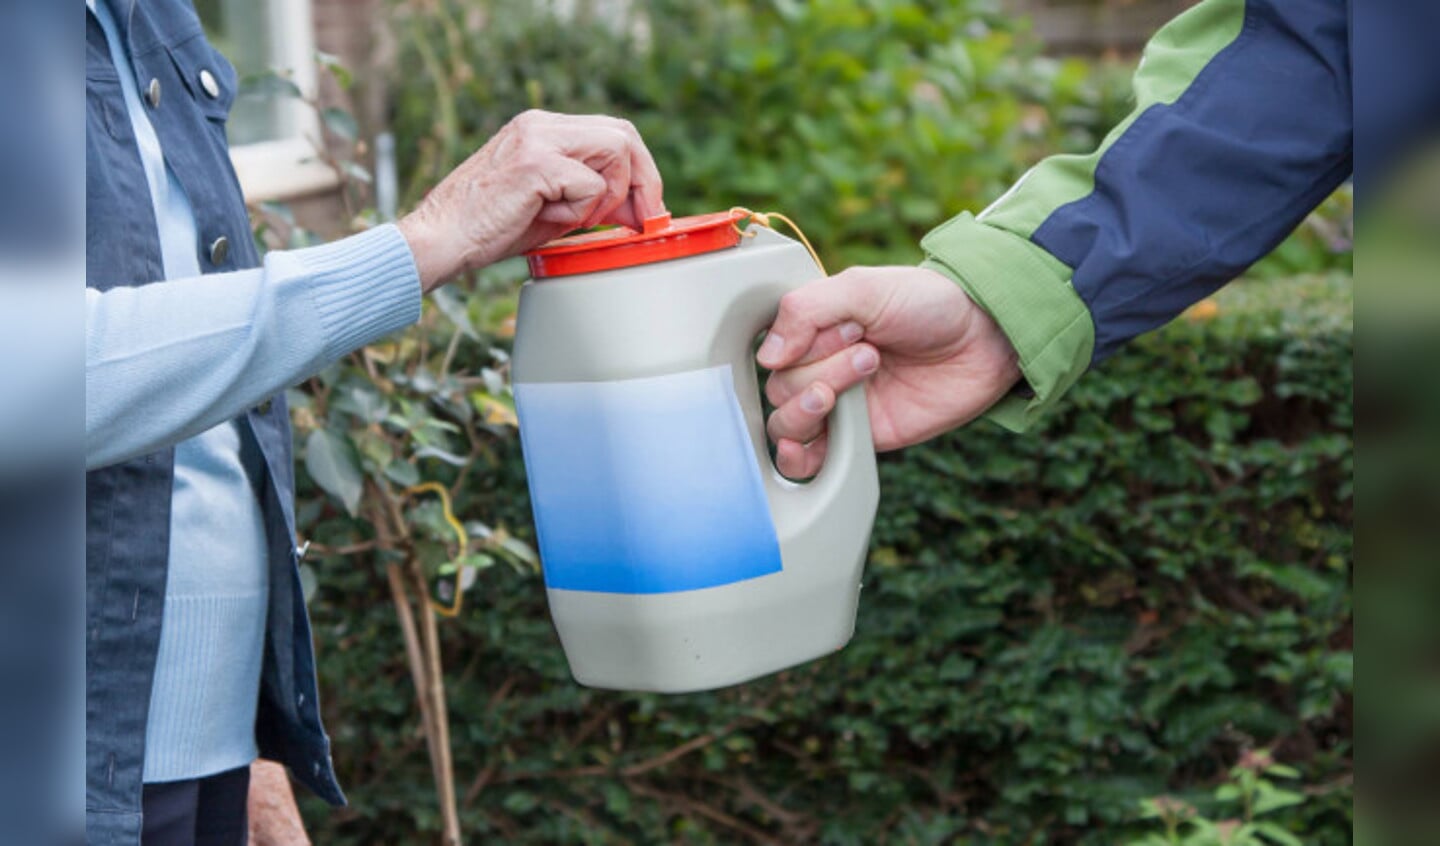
(645,485)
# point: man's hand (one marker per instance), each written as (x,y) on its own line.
(541,176)
(934,359)
(274,819)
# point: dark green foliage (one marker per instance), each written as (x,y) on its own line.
(1054,626)
(869,122)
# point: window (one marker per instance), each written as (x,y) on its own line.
(273,136)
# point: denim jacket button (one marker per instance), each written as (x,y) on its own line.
(300,701)
(219,250)
(207,82)
(152,93)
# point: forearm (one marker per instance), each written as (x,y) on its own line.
(167,361)
(1242,125)
(273,816)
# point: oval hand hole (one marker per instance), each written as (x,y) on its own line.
(767,408)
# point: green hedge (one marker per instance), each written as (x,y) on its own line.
(869,123)
(1053,627)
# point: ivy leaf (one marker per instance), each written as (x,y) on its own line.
(366,403)
(494,382)
(355,171)
(269,84)
(445,456)
(332,63)
(493,410)
(340,122)
(402,473)
(279,210)
(1275,834)
(454,309)
(521,551)
(1271,798)
(468,577)
(333,466)
(1284,770)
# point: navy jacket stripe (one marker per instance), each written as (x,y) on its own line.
(1198,190)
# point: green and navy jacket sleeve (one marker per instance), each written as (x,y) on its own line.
(1241,126)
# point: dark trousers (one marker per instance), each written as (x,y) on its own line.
(206,811)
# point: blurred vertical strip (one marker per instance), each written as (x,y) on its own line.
(1397,269)
(42,399)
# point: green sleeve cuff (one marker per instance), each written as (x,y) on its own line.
(1028,293)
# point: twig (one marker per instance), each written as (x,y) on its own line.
(590,725)
(477,448)
(413,656)
(709,812)
(636,769)
(678,752)
(348,549)
(749,793)
(501,692)
(576,772)
(440,713)
(478,785)
(449,355)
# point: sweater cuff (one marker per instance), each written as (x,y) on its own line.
(364,287)
(1028,293)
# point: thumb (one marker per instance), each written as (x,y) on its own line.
(857,295)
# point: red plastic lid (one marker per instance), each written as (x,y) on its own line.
(662,239)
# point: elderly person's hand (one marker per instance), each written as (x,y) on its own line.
(542,175)
(934,360)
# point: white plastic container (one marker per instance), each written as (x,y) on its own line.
(676,558)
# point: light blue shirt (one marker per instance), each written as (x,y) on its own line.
(184,358)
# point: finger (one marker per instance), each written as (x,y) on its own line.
(855,295)
(647,189)
(610,158)
(590,136)
(595,142)
(839,373)
(570,192)
(802,418)
(625,214)
(795,460)
(832,340)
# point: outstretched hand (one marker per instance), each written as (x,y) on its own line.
(542,175)
(934,360)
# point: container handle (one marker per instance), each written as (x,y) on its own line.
(844,489)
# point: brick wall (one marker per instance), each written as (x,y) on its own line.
(1098,26)
(355,31)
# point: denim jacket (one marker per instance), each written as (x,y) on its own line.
(128,504)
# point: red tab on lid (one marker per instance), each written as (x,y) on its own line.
(661,239)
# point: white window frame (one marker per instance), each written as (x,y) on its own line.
(290,167)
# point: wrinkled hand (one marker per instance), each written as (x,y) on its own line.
(933,358)
(541,176)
